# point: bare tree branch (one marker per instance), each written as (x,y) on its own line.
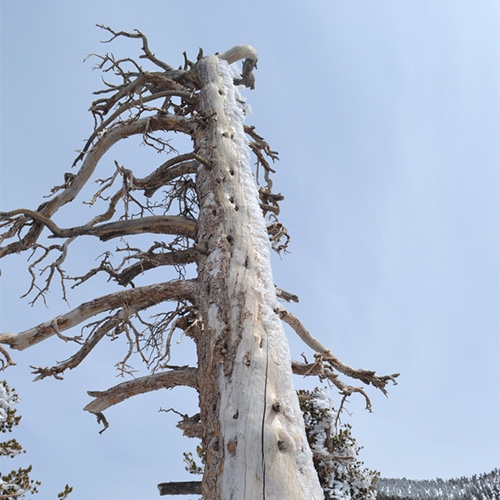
(289,297)
(146,81)
(98,333)
(145,46)
(366,376)
(180,488)
(5,363)
(191,427)
(318,369)
(139,103)
(185,376)
(249,54)
(328,456)
(135,299)
(164,224)
(105,142)
(168,171)
(151,260)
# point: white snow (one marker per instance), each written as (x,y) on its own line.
(8,398)
(344,483)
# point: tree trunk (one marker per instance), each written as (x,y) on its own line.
(254,439)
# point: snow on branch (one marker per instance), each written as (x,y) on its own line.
(249,55)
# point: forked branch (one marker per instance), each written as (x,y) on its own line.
(325,372)
(136,299)
(105,142)
(324,355)
(151,260)
(145,46)
(101,329)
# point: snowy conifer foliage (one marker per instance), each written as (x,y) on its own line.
(8,398)
(334,450)
(17,482)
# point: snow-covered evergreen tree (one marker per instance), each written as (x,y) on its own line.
(15,483)
(334,450)
(478,487)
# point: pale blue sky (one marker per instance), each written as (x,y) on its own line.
(386,115)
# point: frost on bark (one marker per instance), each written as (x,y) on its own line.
(203,208)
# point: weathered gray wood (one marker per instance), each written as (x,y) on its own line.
(103,144)
(250,422)
(164,380)
(136,299)
(251,450)
(158,224)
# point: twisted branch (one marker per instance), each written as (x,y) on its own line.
(145,46)
(135,299)
(324,355)
(318,369)
(184,376)
(96,335)
(105,142)
(151,260)
(166,224)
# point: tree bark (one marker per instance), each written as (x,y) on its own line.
(254,438)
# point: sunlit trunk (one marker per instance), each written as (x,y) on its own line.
(254,432)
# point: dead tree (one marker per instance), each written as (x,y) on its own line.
(205,209)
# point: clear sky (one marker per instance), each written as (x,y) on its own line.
(386,115)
